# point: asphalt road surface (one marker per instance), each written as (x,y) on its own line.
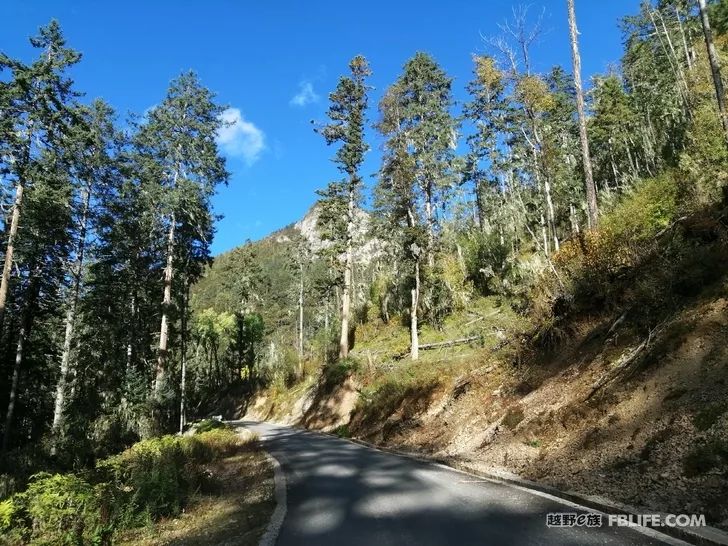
(344,494)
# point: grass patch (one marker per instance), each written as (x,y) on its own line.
(386,346)
(342,431)
(237,512)
(207,425)
(405,399)
(335,374)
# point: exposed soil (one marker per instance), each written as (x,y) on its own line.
(657,440)
(656,437)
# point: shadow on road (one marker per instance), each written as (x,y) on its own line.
(341,493)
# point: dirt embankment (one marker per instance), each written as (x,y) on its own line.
(318,407)
(640,420)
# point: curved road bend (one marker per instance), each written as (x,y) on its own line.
(345,494)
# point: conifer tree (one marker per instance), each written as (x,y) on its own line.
(419,168)
(486,111)
(35,105)
(341,200)
(89,149)
(180,165)
(37,110)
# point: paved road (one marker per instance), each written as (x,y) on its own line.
(344,494)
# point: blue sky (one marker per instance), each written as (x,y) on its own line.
(274,64)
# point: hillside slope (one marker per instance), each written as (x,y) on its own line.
(625,400)
(657,439)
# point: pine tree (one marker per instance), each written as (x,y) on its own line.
(419,168)
(612,128)
(397,204)
(89,147)
(486,112)
(342,199)
(36,104)
(425,98)
(179,161)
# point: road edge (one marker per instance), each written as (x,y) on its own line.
(279,514)
(700,536)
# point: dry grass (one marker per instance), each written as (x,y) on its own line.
(235,510)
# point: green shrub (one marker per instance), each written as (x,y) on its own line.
(8,511)
(647,209)
(209,424)
(623,263)
(61,509)
(220,442)
(155,476)
(336,373)
(211,445)
(626,232)
(151,479)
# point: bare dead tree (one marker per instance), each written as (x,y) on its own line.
(714,65)
(591,190)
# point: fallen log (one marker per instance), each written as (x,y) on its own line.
(626,365)
(440,345)
(449,343)
(670,227)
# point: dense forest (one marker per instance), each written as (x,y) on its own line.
(541,189)
(533,190)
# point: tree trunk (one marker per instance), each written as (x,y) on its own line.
(544,235)
(573,220)
(166,304)
(183,379)
(300,320)
(430,218)
(130,338)
(182,399)
(415,298)
(688,57)
(714,66)
(326,318)
(480,206)
(540,170)
(591,191)
(70,320)
(346,291)
(25,326)
(10,249)
(551,213)
(682,84)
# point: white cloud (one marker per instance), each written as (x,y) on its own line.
(306,94)
(239,137)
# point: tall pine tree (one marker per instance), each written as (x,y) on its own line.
(341,200)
